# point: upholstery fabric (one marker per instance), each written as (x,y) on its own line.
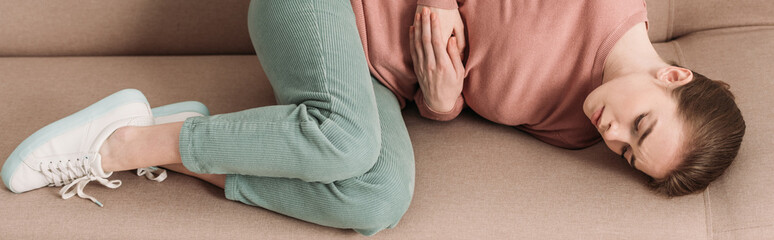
(123,27)
(148,27)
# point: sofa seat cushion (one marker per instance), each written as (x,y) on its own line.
(474,179)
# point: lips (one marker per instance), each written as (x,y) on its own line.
(596,116)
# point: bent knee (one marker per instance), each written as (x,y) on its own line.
(355,159)
(376,205)
(381,213)
(364,155)
(347,146)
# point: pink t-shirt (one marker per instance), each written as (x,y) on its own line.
(530,64)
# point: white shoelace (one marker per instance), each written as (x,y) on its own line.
(74,173)
(149,171)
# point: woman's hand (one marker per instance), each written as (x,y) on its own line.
(451,24)
(437,62)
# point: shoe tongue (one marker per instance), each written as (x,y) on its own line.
(96,166)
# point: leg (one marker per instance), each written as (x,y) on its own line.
(216,179)
(137,147)
(368,203)
(326,127)
(297,159)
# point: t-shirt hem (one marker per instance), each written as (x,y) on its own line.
(357,8)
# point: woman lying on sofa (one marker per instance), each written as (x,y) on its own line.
(335,150)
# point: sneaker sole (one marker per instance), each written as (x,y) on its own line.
(181,107)
(54,129)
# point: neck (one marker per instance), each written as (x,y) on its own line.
(632,54)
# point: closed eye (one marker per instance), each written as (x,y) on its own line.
(637,122)
(623,155)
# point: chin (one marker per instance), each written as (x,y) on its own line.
(587,108)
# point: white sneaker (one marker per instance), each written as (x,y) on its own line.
(176,112)
(66,152)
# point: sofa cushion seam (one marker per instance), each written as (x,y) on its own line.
(680,55)
(746,228)
(670,20)
(708,213)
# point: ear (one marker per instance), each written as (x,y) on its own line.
(675,76)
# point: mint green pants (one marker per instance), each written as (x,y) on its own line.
(335,151)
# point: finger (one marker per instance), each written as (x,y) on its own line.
(454,54)
(426,38)
(459,33)
(439,45)
(411,44)
(412,48)
(418,41)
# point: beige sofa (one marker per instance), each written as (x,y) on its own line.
(474,179)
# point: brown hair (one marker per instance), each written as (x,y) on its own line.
(714,131)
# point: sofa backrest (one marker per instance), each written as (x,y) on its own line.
(182,27)
(123,27)
(671,19)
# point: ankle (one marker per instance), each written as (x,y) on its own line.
(113,158)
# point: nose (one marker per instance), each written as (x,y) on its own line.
(613,135)
(611,131)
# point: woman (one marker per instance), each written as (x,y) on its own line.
(335,151)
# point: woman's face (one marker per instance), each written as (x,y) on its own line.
(637,118)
